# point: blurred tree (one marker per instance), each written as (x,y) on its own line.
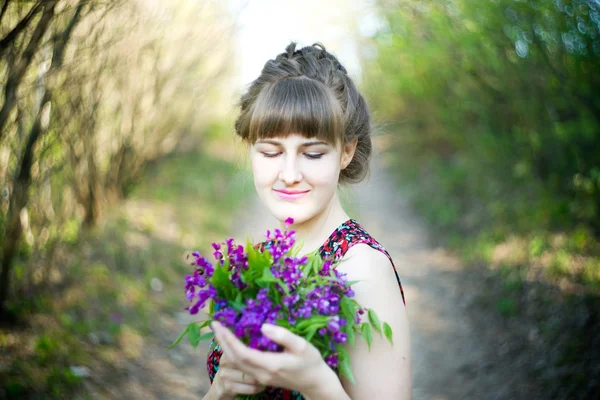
(94,91)
(501,96)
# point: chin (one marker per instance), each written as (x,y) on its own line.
(297,213)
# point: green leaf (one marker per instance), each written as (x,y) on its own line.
(179,338)
(194,334)
(206,336)
(346,364)
(350,335)
(374,319)
(221,282)
(295,250)
(267,276)
(238,302)
(316,266)
(314,321)
(252,252)
(367,333)
(387,330)
(205,323)
(348,310)
(284,323)
(311,333)
(343,353)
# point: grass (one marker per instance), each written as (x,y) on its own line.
(120,276)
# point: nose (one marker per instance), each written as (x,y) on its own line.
(290,171)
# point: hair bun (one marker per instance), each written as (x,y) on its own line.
(290,49)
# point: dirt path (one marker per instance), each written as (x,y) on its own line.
(451,359)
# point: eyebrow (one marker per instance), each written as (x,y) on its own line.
(306,144)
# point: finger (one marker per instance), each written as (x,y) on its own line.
(284,337)
(243,388)
(229,342)
(241,356)
(222,335)
(236,375)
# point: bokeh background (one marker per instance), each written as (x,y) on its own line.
(118,155)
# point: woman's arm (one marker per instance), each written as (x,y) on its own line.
(327,387)
(211,395)
(384,372)
(229,382)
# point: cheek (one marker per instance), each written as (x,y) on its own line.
(263,170)
(324,173)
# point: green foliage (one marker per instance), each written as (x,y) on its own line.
(367,333)
(345,364)
(374,320)
(46,348)
(508,126)
(493,111)
(387,330)
(507,306)
(61,381)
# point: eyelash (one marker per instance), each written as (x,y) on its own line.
(310,156)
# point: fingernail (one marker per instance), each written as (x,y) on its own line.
(267,328)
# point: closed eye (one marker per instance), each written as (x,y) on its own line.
(270,154)
(313,156)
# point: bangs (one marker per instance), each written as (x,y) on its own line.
(297,105)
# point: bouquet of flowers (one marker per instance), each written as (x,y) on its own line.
(271,283)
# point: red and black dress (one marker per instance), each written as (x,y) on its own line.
(339,242)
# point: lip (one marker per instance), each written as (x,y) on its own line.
(291,195)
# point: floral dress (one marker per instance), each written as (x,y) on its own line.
(339,242)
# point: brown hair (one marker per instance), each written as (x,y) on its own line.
(308,91)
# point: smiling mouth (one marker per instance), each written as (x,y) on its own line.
(291,195)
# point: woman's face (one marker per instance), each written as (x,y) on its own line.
(297,176)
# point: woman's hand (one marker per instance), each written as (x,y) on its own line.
(299,367)
(230,381)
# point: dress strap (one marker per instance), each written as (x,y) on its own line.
(349,234)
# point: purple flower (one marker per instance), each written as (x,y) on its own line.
(332,360)
(340,337)
(333,325)
(326,268)
(243,306)
(227,316)
(262,295)
(203,295)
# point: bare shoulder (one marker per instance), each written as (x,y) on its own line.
(377,283)
(365,261)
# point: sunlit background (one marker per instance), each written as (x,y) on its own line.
(118,155)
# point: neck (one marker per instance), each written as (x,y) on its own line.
(313,232)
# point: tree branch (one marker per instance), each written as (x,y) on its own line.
(17,70)
(4,7)
(6,41)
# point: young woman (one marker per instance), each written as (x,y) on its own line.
(308,130)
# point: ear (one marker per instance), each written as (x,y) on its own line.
(348,150)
